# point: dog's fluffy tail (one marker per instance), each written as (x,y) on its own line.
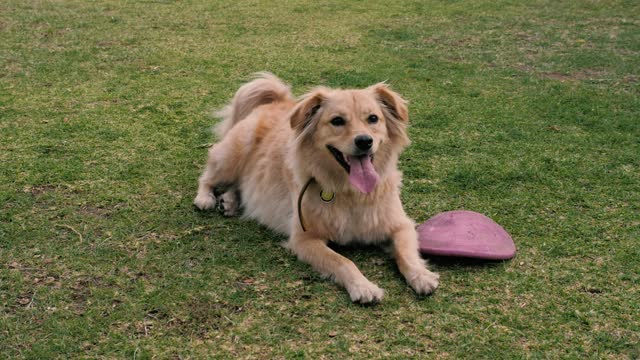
(265,88)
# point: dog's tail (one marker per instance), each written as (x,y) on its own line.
(265,88)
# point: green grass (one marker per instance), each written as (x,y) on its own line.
(527,111)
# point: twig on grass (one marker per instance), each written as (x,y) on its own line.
(204,146)
(72,229)
(33,298)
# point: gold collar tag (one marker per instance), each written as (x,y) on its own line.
(327,196)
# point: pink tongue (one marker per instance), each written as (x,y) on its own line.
(362,174)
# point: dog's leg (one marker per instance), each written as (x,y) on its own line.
(229,202)
(222,169)
(315,252)
(411,265)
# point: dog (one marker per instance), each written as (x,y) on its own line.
(318,169)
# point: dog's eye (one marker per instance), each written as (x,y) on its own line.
(338,121)
(372,119)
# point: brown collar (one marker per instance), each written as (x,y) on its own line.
(300,202)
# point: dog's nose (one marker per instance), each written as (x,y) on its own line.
(363,142)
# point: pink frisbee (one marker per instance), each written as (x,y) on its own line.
(465,234)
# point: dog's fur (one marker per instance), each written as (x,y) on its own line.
(271,145)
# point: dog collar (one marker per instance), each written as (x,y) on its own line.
(326,196)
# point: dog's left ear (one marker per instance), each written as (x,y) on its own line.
(395,111)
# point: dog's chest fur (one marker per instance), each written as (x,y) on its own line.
(347,218)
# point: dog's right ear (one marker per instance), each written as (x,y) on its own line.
(307,108)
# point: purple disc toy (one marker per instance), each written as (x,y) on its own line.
(466,234)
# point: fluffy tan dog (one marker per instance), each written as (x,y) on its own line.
(320,169)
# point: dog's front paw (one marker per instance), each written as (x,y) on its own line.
(423,281)
(365,292)
(204,201)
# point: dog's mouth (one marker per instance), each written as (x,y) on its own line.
(362,174)
(337,154)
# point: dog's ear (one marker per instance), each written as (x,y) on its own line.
(307,108)
(394,109)
(391,102)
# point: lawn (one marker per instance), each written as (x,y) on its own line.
(527,111)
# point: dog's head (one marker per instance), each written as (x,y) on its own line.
(355,134)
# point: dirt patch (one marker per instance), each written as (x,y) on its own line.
(133,275)
(527,36)
(42,189)
(524,68)
(37,275)
(582,75)
(105,44)
(81,291)
(203,319)
(586,74)
(39,189)
(34,277)
(99,211)
(12,68)
(556,76)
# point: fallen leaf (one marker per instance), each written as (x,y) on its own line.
(24,301)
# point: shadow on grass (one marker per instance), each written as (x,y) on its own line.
(449,261)
(359,251)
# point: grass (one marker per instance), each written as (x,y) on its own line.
(527,111)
